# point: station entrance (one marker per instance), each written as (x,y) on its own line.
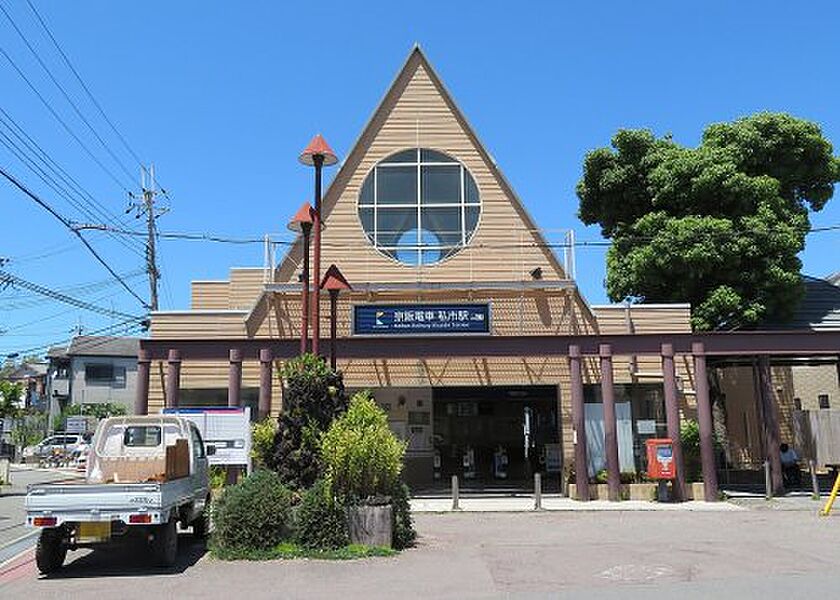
(496,437)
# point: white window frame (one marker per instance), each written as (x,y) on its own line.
(444,250)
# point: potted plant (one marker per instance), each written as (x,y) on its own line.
(363,460)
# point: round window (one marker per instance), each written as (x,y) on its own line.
(419,206)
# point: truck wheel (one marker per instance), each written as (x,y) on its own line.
(165,544)
(50,551)
(199,526)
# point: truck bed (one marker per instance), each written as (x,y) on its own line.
(85,502)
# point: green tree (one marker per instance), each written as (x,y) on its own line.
(313,396)
(10,394)
(719,225)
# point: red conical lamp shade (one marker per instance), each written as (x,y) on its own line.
(318,147)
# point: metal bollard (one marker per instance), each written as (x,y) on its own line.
(768,484)
(815,483)
(537,491)
(455,493)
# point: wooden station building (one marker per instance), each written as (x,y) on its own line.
(463,322)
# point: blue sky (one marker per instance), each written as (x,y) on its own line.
(223,96)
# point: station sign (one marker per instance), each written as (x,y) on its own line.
(421,319)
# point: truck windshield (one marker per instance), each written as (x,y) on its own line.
(142,435)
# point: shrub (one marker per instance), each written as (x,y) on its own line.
(321,519)
(254,514)
(362,457)
(403,532)
(262,441)
(313,396)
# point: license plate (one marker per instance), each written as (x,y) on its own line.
(94,532)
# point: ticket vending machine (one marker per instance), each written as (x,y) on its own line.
(660,464)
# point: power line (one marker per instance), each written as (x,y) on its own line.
(110,328)
(64,92)
(50,317)
(34,148)
(69,226)
(82,83)
(27,300)
(58,118)
(7,279)
(52,183)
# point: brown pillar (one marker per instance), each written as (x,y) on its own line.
(610,426)
(578,423)
(304,290)
(265,383)
(672,416)
(772,435)
(318,160)
(173,378)
(235,377)
(141,397)
(704,418)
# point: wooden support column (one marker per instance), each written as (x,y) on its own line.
(704,418)
(265,383)
(141,395)
(173,378)
(578,423)
(772,434)
(672,417)
(610,425)
(235,378)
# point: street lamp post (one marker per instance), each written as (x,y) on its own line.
(318,154)
(302,222)
(334,282)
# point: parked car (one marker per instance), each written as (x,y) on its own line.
(58,445)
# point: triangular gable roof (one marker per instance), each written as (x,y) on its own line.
(416,58)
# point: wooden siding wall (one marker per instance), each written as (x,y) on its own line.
(210,295)
(421,117)
(246,284)
(204,325)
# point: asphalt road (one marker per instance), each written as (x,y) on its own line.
(12,513)
(742,554)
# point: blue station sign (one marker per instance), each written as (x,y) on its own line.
(421,319)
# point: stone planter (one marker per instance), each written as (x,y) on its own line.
(370,525)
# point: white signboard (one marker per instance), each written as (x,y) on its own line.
(227,429)
(76,425)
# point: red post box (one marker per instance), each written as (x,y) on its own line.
(660,459)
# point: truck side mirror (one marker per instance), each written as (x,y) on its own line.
(210,449)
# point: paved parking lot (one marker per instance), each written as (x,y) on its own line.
(744,554)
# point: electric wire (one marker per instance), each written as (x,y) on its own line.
(94,207)
(35,198)
(53,184)
(104,330)
(83,85)
(9,279)
(65,94)
(61,121)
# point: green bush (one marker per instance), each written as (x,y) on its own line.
(403,532)
(321,519)
(254,514)
(362,457)
(262,441)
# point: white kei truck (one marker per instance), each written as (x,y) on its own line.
(145,476)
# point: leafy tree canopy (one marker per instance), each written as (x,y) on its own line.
(719,225)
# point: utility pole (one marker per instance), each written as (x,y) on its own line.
(144,206)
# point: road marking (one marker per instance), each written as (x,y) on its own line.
(636,573)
